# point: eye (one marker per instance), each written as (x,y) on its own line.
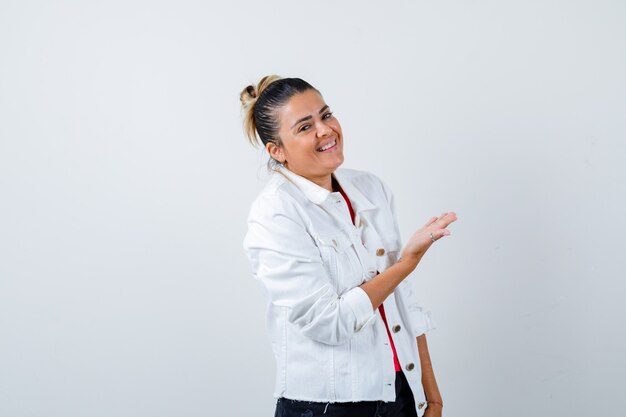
(303,128)
(328,115)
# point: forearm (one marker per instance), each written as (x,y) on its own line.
(429,383)
(383,284)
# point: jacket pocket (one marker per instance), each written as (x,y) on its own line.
(340,260)
(338,241)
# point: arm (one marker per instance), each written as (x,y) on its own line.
(413,252)
(431,390)
(383,284)
(287,263)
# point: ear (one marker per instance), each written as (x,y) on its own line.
(275,152)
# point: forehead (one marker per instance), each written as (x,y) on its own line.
(301,105)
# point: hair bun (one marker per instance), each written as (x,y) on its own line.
(251,91)
(248,98)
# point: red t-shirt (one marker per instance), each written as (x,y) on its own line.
(381,308)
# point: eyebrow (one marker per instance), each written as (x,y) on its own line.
(309,116)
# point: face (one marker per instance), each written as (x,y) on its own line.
(312,141)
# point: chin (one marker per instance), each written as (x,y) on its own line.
(339,162)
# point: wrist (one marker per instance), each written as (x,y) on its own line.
(408,261)
(437,403)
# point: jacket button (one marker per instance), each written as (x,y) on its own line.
(410,366)
(380,252)
(396,328)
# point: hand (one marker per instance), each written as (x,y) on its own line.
(420,241)
(433,410)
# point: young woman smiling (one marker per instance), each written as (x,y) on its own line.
(347,333)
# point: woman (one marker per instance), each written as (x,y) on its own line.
(323,242)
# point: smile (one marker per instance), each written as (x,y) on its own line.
(327,147)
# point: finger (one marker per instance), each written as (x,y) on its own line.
(444,221)
(438,234)
(435,218)
(431,221)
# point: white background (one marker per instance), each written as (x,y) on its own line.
(125,181)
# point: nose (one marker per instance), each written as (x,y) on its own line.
(323,129)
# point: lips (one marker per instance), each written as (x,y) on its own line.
(328,145)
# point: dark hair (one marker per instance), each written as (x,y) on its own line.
(261,102)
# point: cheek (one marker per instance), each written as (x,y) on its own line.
(302,151)
(337,128)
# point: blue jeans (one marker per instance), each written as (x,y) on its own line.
(403,406)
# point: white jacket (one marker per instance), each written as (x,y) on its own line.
(329,343)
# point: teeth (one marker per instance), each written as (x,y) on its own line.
(330,145)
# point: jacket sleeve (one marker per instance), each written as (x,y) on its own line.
(421,321)
(287,263)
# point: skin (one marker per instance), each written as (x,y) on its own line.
(301,138)
(306,124)
(431,390)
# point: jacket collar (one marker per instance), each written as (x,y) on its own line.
(312,191)
(319,195)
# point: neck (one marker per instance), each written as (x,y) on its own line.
(327,181)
